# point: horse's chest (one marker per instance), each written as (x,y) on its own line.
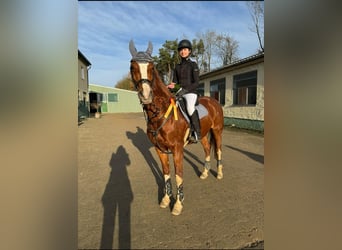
(157,137)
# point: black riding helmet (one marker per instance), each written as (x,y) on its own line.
(184,44)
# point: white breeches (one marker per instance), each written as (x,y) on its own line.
(190,99)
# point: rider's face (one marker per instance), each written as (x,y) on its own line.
(184,52)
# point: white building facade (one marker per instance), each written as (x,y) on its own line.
(239,87)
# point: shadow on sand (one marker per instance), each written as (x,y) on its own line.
(142,143)
(117,199)
(256,157)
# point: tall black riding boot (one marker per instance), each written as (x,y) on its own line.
(196,125)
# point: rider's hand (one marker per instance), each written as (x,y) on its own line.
(171,85)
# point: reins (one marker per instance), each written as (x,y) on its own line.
(166,117)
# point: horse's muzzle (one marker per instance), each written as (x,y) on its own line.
(145,100)
(145,94)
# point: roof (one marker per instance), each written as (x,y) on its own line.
(246,60)
(107,88)
(83,58)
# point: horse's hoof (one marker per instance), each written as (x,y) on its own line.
(204,174)
(177,208)
(165,202)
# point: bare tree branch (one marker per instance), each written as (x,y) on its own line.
(256,10)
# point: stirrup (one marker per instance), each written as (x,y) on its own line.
(197,135)
(194,137)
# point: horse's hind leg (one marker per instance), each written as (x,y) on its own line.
(206,146)
(218,144)
(219,165)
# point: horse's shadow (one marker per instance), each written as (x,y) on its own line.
(194,166)
(141,142)
(256,157)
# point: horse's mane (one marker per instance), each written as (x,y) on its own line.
(163,90)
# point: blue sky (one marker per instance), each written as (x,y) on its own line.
(105,29)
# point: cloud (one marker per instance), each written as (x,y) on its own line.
(105,29)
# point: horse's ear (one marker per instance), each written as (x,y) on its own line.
(150,48)
(132,48)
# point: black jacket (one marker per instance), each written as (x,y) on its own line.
(186,74)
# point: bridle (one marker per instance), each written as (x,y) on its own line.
(144,86)
(143,80)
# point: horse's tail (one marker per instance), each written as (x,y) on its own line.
(212,141)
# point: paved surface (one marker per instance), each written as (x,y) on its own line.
(120,183)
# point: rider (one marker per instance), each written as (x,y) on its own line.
(186,74)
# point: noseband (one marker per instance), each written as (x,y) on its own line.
(143,80)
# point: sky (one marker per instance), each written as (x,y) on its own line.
(106,27)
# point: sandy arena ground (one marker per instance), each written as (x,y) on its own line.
(120,183)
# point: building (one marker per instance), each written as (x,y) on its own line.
(239,87)
(113,100)
(83,85)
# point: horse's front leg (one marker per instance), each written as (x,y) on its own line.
(164,158)
(178,162)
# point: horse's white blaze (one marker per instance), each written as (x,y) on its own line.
(143,70)
(146,90)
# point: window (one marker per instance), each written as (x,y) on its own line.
(112,97)
(244,88)
(200,89)
(218,90)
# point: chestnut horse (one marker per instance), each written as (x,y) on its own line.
(167,127)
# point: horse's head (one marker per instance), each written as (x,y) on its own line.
(142,72)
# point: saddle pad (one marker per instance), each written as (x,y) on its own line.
(202,111)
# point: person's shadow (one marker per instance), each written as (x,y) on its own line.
(117,198)
(142,143)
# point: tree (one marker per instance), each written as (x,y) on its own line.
(226,49)
(198,54)
(167,60)
(208,39)
(217,50)
(256,9)
(125,83)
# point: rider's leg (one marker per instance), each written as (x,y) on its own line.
(197,125)
(191,99)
